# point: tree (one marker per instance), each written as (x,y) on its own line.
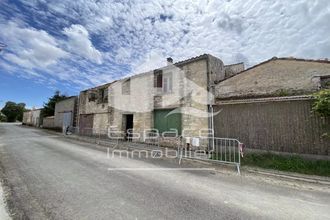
(13,111)
(49,107)
(321,105)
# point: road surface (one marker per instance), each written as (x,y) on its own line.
(50,177)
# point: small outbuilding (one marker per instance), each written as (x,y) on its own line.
(32,118)
(65,113)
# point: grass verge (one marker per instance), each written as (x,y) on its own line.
(287,163)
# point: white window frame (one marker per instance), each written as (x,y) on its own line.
(167,83)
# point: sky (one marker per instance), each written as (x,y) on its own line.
(74,45)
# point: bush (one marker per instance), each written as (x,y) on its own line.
(3,118)
(321,105)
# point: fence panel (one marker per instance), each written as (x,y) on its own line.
(222,150)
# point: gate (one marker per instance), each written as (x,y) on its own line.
(151,138)
(228,151)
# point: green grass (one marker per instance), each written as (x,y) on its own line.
(287,163)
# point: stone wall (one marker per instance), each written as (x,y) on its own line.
(90,106)
(27,117)
(233,69)
(90,102)
(101,123)
(195,103)
(276,77)
(216,69)
(48,122)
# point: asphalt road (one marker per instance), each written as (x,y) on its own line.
(50,177)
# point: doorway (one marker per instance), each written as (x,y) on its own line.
(128,126)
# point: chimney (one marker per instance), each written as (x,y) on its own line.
(169,60)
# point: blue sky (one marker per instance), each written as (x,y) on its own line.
(73,45)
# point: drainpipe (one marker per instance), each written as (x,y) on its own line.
(210,107)
(212,126)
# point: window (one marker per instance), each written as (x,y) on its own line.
(91,96)
(158,79)
(103,95)
(325,82)
(126,87)
(167,83)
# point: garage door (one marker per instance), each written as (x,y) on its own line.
(67,119)
(86,124)
(164,122)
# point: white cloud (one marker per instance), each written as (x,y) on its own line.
(153,60)
(79,43)
(30,48)
(140,35)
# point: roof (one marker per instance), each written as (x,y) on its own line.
(269,99)
(289,59)
(274,59)
(303,60)
(69,97)
(234,64)
(33,109)
(192,59)
(100,86)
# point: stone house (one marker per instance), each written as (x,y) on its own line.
(176,98)
(93,110)
(268,106)
(32,118)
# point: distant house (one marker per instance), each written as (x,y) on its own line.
(268,106)
(32,118)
